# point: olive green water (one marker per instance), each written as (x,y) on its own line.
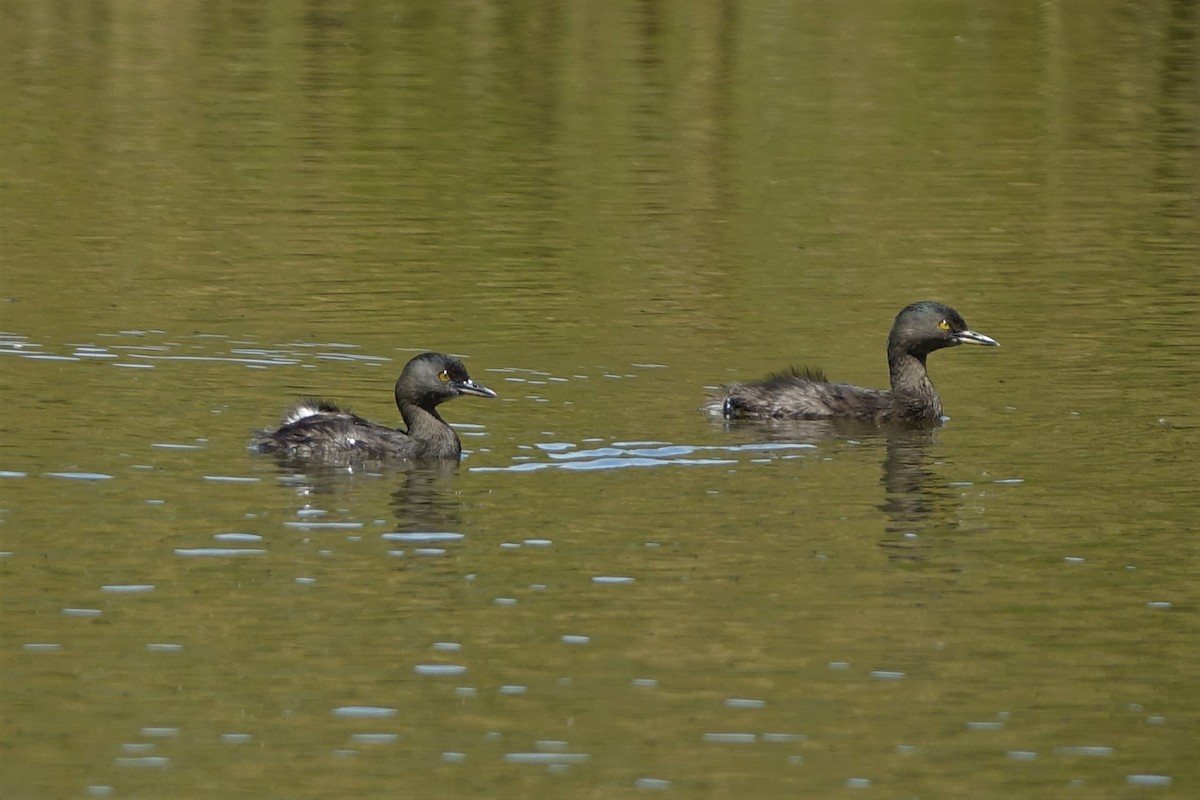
(208,209)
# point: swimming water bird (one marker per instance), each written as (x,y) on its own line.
(919,329)
(315,428)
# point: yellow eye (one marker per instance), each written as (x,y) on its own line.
(444,375)
(944,325)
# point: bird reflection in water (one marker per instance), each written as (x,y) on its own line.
(425,495)
(916,499)
(428,499)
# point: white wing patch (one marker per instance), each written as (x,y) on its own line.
(300,411)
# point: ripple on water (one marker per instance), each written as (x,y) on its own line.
(353,357)
(237,537)
(526,467)
(80,476)
(159,732)
(47,357)
(374,738)
(311,512)
(144,762)
(620,455)
(652,784)
(1092,751)
(364,712)
(144,356)
(424,536)
(730,738)
(546,758)
(439,670)
(985,725)
(744,702)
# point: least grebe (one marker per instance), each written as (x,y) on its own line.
(919,329)
(316,428)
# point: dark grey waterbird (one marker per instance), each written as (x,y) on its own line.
(318,429)
(919,329)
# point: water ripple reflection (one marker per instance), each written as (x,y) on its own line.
(619,455)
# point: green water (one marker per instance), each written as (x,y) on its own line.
(206,210)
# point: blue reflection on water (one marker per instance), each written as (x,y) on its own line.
(619,455)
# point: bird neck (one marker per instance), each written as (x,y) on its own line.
(912,391)
(426,426)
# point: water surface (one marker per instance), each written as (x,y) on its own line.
(607,211)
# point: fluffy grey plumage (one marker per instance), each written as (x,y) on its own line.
(919,329)
(318,429)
